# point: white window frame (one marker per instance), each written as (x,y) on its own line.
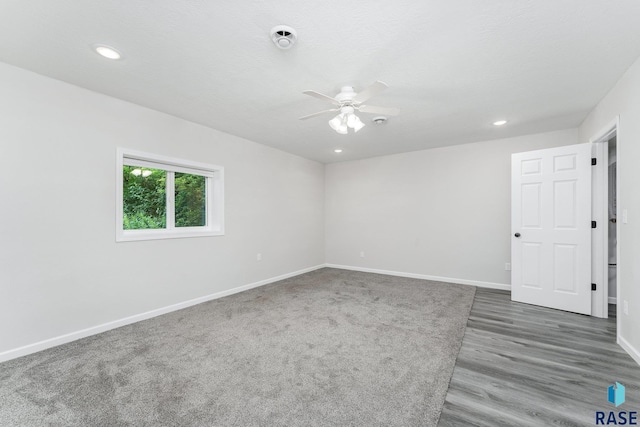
(214,196)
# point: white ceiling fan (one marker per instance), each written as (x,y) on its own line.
(348,102)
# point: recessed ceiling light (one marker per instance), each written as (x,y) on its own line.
(338,150)
(107,52)
(500,123)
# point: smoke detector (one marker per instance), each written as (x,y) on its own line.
(283,36)
(380,120)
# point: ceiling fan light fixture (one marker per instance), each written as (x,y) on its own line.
(348,102)
(345,120)
(343,129)
(347,109)
(351,120)
(357,124)
(336,122)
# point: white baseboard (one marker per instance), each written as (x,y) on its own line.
(613,300)
(490,285)
(635,354)
(73,336)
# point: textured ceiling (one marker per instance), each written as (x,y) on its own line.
(452,67)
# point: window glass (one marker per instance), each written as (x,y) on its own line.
(144,198)
(190,200)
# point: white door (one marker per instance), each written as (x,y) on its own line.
(551,228)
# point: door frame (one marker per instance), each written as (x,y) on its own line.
(600,214)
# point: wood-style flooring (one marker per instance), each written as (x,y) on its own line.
(524,365)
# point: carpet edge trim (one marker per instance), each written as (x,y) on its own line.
(478,283)
(94,330)
(455,360)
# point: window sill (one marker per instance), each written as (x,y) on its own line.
(136,235)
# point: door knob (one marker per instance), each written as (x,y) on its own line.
(517,234)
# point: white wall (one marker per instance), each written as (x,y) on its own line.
(624,101)
(443,212)
(60,268)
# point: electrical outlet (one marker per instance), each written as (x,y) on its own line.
(259,257)
(507,266)
(625,307)
(625,216)
(362,254)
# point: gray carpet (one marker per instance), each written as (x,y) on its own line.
(328,348)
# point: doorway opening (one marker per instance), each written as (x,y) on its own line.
(612,241)
(605,251)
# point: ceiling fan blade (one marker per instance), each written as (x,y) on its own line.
(370,92)
(319,113)
(320,96)
(387,111)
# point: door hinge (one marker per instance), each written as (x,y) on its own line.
(593,224)
(593,286)
(593,161)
